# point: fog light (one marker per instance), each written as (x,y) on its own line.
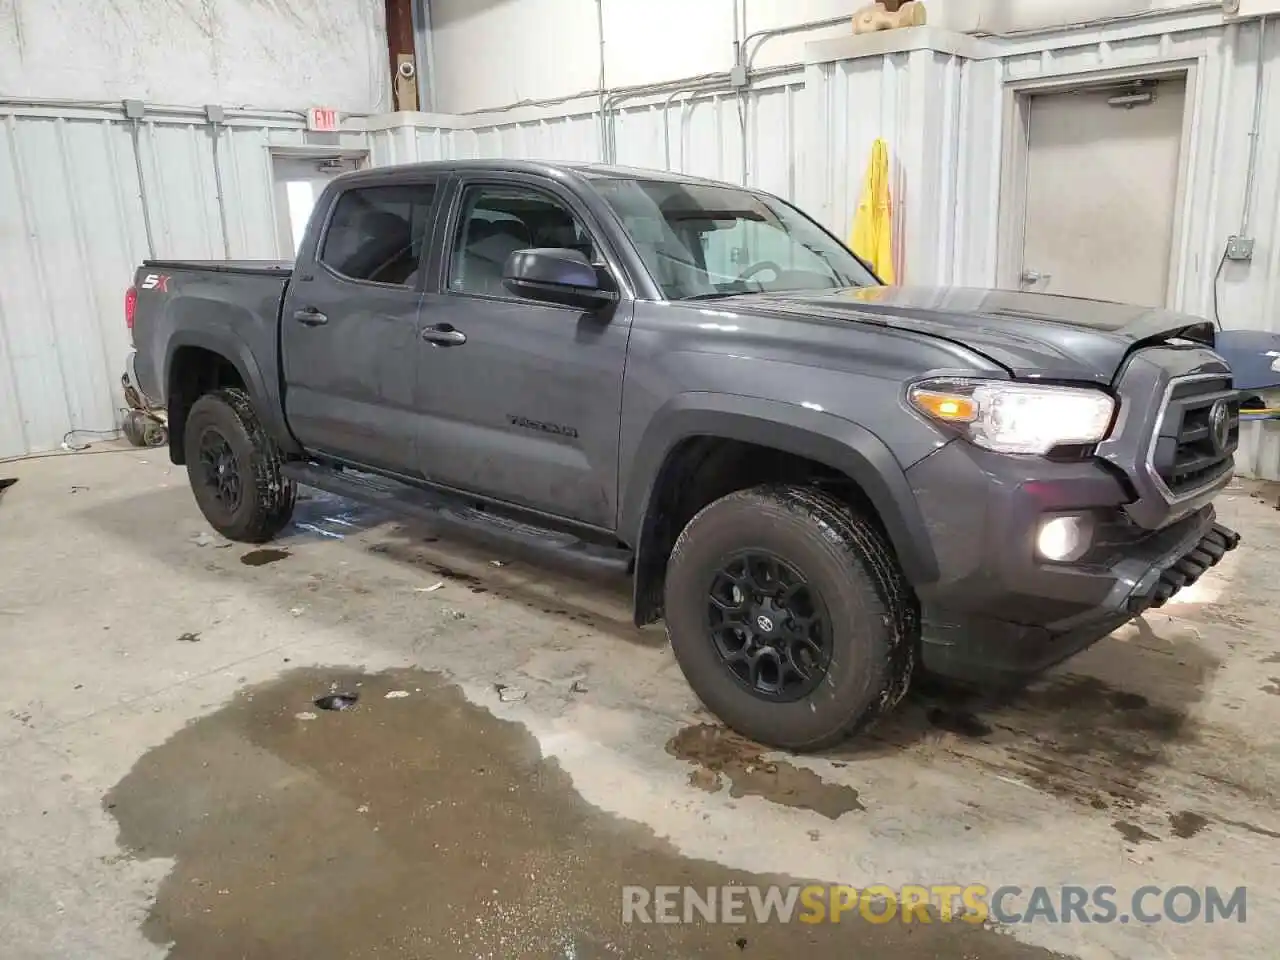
(1062,539)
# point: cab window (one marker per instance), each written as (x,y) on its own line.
(497,221)
(377,234)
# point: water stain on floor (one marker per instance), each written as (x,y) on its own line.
(720,754)
(260,558)
(1186,824)
(424,827)
(1132,832)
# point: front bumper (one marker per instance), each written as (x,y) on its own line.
(998,611)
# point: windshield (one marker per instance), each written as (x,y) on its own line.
(704,241)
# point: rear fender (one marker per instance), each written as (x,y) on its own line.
(266,403)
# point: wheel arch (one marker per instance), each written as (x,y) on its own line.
(198,361)
(841,451)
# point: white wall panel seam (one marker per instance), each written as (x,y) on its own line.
(83,277)
(39,274)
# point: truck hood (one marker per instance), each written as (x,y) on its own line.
(1032,335)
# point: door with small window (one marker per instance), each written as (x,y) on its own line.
(523,398)
(349,329)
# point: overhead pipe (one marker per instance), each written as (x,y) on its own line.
(763,36)
(1255,134)
(1153,14)
(666,120)
(216,129)
(601,88)
(247,113)
(134,129)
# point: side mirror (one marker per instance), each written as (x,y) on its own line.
(558,275)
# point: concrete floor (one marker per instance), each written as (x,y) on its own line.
(169,785)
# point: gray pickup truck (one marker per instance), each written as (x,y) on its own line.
(821,483)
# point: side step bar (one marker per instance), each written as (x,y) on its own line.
(454,515)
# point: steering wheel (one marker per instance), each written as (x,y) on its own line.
(755,268)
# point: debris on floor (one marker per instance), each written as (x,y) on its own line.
(337,701)
(203,539)
(431,589)
(395,694)
(509,694)
(189,638)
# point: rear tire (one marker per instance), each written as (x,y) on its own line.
(858,618)
(235,468)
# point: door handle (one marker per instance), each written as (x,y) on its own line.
(1035,276)
(311,317)
(443,335)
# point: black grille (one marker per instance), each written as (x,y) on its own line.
(1187,453)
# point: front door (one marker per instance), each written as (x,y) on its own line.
(349,330)
(1102,191)
(524,399)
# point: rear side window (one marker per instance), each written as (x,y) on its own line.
(377,233)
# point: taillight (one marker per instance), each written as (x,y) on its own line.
(130,306)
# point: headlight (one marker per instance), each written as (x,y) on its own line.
(1016,417)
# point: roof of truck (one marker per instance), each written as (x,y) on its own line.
(546,168)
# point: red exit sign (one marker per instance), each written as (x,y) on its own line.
(322,119)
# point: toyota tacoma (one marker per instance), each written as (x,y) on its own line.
(822,484)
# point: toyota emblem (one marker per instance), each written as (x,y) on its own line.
(1219,427)
(764,623)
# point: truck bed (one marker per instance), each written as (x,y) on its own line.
(230,307)
(268,267)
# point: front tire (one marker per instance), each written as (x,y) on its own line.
(790,616)
(235,468)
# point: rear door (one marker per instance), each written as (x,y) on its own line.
(349,330)
(523,399)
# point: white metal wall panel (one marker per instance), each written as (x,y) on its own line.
(575,136)
(1226,59)
(407,144)
(696,133)
(72,233)
(927,106)
(71,230)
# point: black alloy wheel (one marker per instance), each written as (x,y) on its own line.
(220,470)
(769,626)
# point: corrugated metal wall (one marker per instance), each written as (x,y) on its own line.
(944,118)
(935,110)
(72,232)
(693,132)
(71,222)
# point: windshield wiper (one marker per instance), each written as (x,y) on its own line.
(718,296)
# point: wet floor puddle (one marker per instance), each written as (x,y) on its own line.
(721,755)
(260,558)
(422,826)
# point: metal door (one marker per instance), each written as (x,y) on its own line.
(1101,193)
